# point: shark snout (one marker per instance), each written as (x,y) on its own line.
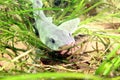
(67,46)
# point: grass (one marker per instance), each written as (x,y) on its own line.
(19,45)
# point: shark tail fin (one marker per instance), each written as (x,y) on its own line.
(39,13)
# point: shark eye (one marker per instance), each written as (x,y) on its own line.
(52,40)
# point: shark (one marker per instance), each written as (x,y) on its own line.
(53,36)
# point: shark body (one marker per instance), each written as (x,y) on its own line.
(51,35)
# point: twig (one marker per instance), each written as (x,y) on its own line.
(18,57)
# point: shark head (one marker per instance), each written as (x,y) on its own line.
(57,39)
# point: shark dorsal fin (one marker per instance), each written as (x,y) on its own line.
(70,25)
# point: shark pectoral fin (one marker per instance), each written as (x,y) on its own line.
(70,25)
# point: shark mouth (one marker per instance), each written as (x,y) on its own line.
(74,46)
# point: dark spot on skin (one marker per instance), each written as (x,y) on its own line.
(69,34)
(37,2)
